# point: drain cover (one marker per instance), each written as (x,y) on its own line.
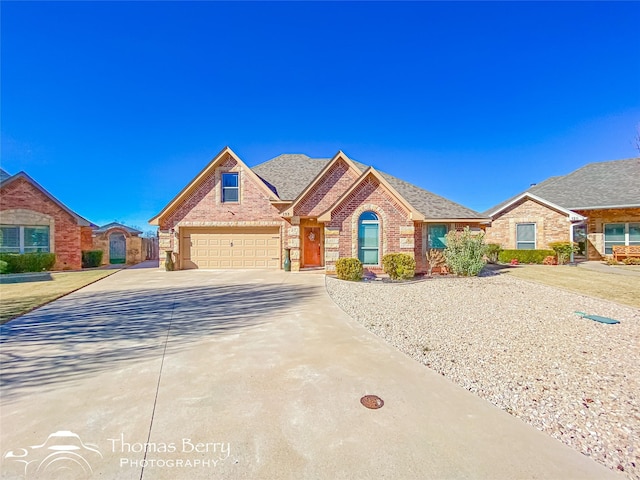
(372,401)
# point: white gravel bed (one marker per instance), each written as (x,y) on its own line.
(520,345)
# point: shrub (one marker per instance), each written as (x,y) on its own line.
(563,250)
(28,262)
(525,256)
(349,269)
(399,266)
(550,260)
(493,251)
(465,252)
(91,258)
(611,261)
(631,261)
(3,266)
(435,259)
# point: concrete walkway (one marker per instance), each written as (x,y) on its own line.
(248,375)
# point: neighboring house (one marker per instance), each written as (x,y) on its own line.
(315,210)
(33,220)
(603,199)
(120,244)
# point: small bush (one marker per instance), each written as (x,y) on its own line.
(465,252)
(435,259)
(631,261)
(493,251)
(525,256)
(28,262)
(3,266)
(399,266)
(563,250)
(550,260)
(349,269)
(611,261)
(91,258)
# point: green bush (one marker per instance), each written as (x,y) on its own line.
(28,262)
(3,266)
(399,266)
(493,251)
(349,269)
(631,261)
(91,258)
(524,256)
(563,250)
(465,252)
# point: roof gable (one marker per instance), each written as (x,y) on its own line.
(574,217)
(206,172)
(81,221)
(109,226)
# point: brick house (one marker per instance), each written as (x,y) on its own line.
(33,220)
(598,203)
(315,210)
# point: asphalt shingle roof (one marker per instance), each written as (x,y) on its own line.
(602,184)
(290,174)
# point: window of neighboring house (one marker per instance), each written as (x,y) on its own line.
(437,235)
(620,234)
(525,236)
(24,239)
(369,238)
(230,187)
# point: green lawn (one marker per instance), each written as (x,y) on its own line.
(37,289)
(610,286)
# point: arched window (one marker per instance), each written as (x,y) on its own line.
(369,238)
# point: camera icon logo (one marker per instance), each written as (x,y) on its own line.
(62,455)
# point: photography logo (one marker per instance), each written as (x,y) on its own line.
(62,455)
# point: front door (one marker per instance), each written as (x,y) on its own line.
(312,257)
(117,248)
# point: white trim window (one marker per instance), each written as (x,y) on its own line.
(525,236)
(24,239)
(369,239)
(230,187)
(620,234)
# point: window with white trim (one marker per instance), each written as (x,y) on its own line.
(620,234)
(525,236)
(24,239)
(369,238)
(230,187)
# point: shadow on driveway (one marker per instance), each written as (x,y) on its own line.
(86,333)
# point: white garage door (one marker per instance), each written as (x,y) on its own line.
(231,247)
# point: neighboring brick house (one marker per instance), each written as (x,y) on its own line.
(33,220)
(600,199)
(119,243)
(316,210)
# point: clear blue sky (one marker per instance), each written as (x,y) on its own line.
(114,107)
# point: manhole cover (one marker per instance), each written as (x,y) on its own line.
(372,401)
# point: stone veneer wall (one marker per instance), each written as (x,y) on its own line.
(551,225)
(595,226)
(134,253)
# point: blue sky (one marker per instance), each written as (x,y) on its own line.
(115,107)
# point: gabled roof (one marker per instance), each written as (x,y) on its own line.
(3,175)
(574,217)
(415,215)
(108,226)
(338,156)
(612,184)
(292,174)
(83,222)
(206,171)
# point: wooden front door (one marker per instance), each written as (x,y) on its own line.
(312,257)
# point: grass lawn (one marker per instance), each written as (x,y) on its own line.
(610,286)
(33,290)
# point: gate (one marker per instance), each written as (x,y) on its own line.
(117,248)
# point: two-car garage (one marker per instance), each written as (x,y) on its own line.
(232,247)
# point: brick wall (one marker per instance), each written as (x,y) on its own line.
(551,226)
(204,208)
(20,197)
(596,220)
(133,245)
(397,232)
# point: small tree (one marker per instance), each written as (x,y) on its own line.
(465,252)
(435,258)
(563,250)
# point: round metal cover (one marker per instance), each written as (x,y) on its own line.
(372,401)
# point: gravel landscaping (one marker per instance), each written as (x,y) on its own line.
(520,345)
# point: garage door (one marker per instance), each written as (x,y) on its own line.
(231,248)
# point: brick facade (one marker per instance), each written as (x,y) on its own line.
(551,225)
(596,219)
(21,203)
(133,245)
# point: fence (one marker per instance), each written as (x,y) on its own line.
(150,248)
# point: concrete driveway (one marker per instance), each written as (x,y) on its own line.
(250,374)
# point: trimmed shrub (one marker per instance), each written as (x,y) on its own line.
(91,258)
(563,250)
(3,266)
(525,256)
(493,250)
(28,262)
(631,261)
(399,266)
(465,252)
(349,269)
(550,260)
